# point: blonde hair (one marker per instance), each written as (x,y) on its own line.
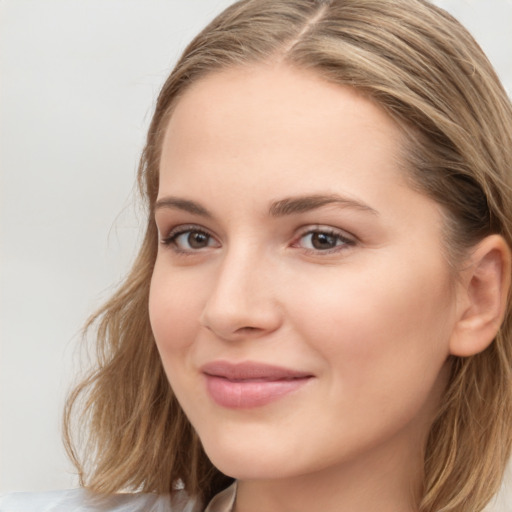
(423,68)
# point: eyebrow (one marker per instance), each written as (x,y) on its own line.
(176,203)
(281,208)
(301,204)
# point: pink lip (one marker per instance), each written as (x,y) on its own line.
(250,384)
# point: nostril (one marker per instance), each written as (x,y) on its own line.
(240,318)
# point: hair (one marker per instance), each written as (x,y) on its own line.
(426,71)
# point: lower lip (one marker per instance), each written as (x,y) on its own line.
(250,393)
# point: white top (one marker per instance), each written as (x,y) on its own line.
(82,500)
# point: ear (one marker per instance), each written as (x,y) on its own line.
(482,297)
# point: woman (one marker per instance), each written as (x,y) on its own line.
(320,307)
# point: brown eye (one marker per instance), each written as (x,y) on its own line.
(190,240)
(197,240)
(320,240)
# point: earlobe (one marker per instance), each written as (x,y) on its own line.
(485,288)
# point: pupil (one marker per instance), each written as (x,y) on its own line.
(323,241)
(197,240)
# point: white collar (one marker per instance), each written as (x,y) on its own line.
(224,501)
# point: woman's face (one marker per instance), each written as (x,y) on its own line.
(301,301)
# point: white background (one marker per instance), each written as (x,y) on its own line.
(79,79)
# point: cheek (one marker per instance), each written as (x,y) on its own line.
(380,326)
(174,311)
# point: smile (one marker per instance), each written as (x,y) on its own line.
(247,385)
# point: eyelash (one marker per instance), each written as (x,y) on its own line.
(172,237)
(338,236)
(335,234)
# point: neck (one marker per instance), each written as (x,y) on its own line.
(386,480)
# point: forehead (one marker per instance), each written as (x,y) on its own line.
(276,110)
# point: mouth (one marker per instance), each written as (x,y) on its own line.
(250,384)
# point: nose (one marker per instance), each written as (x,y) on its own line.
(243,303)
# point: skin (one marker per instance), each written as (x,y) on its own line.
(370,317)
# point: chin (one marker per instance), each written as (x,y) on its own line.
(248,460)
(249,467)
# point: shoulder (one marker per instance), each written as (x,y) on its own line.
(82,500)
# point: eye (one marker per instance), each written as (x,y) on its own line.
(324,240)
(189,239)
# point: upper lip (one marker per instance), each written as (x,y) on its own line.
(249,370)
